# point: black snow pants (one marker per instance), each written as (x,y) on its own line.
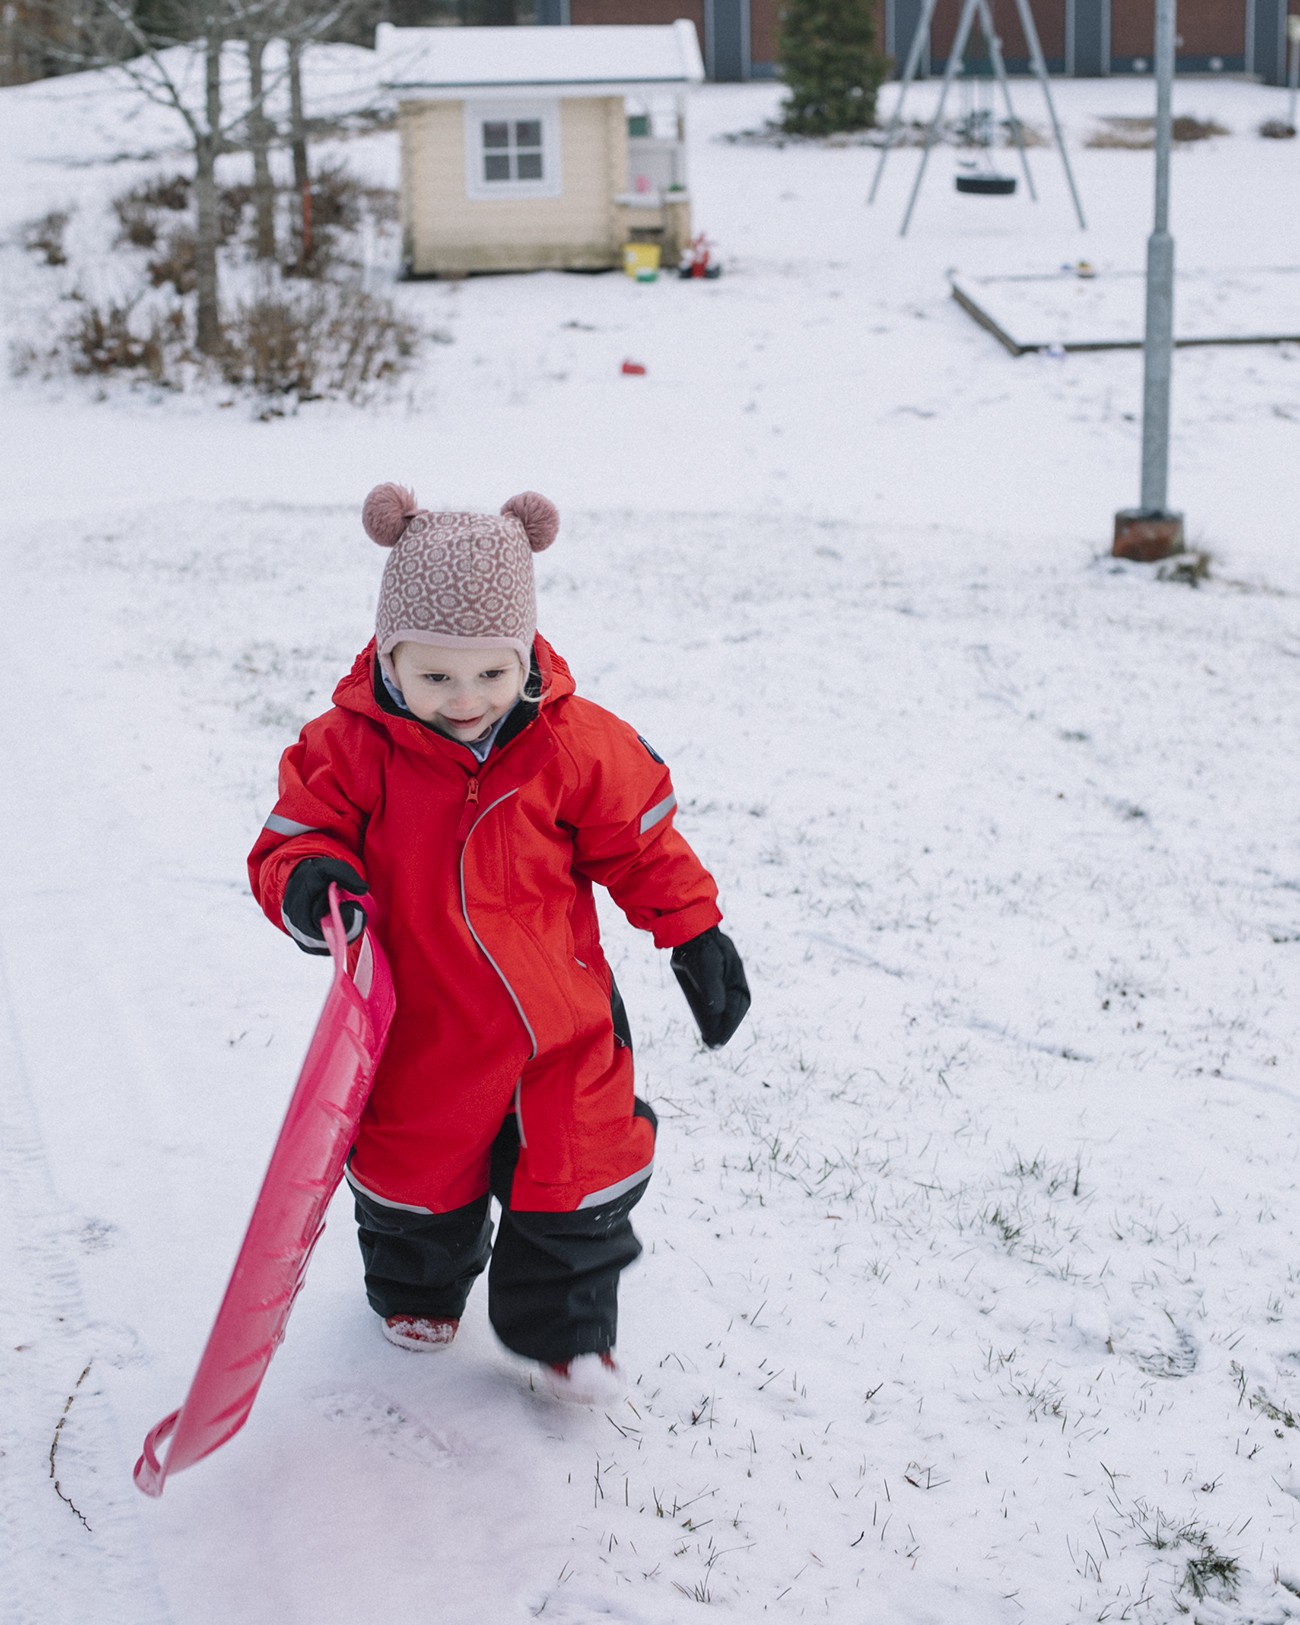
(552,1277)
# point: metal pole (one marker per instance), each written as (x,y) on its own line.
(1040,69)
(1159,346)
(1151,531)
(909,73)
(1000,74)
(950,73)
(1293,75)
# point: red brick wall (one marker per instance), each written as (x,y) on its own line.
(763,19)
(638,11)
(1049,20)
(1205,28)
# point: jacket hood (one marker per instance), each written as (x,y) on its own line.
(356,691)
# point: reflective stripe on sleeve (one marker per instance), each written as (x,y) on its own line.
(656,815)
(286,826)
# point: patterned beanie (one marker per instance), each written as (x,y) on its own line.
(457,580)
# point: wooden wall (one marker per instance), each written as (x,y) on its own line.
(445,232)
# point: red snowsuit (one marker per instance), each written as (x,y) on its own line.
(481,893)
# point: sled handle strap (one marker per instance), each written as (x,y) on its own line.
(332,928)
(149,1470)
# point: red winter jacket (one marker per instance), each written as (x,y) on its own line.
(481,892)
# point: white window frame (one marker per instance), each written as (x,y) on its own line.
(477,114)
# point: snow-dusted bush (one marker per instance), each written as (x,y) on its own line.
(104,339)
(126,293)
(327,339)
(45,237)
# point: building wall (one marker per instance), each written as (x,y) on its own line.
(1206,29)
(445,232)
(1211,31)
(641,11)
(1212,34)
(1049,20)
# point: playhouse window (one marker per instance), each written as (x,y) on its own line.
(512,152)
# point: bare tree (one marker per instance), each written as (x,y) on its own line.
(156,46)
(304,23)
(153,47)
(260,132)
(299,23)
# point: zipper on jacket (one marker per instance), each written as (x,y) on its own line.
(464,908)
(469,812)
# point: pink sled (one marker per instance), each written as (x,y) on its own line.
(305,1169)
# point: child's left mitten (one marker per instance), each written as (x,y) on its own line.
(711,975)
(307,902)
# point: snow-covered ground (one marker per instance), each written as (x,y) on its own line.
(972,1285)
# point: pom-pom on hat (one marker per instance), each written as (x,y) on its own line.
(457,580)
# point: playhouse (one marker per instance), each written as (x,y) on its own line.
(528,149)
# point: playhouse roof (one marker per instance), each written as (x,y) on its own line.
(585,55)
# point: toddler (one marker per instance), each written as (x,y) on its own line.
(473,799)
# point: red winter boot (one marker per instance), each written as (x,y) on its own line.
(420,1333)
(589,1379)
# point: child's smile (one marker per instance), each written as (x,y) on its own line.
(461,692)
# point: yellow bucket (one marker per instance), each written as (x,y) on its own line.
(639,258)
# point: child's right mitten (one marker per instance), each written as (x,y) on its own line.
(712,977)
(307,902)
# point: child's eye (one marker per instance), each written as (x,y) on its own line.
(491,676)
(435,677)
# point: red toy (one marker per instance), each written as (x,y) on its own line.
(698,260)
(305,1169)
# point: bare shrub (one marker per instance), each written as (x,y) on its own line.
(166,192)
(138,208)
(115,338)
(341,204)
(136,223)
(382,203)
(1186,129)
(337,199)
(333,339)
(1277,129)
(45,236)
(1139,134)
(176,262)
(1189,568)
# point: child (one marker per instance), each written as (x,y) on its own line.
(472,798)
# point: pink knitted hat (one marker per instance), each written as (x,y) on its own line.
(457,580)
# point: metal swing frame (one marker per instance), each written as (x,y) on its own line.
(972,9)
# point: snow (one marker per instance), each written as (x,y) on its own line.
(662,53)
(971,1285)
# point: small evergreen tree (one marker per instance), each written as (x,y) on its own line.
(830,65)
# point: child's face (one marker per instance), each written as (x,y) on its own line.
(462,692)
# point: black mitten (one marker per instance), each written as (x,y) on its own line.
(713,980)
(307,902)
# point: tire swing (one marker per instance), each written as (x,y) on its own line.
(978,176)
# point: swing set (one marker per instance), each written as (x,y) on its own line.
(977,124)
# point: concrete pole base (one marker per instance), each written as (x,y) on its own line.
(1147,535)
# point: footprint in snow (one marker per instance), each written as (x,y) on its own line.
(385,1424)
